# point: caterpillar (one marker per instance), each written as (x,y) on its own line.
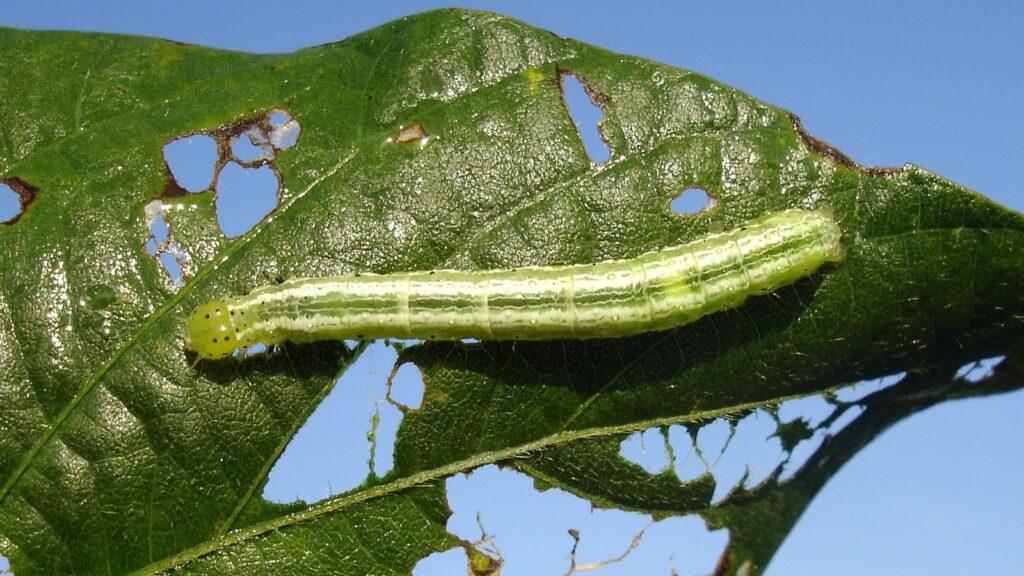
(652,292)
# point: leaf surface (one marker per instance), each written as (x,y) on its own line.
(120,454)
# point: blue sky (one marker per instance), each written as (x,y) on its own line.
(937,84)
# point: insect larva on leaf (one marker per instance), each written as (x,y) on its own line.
(655,291)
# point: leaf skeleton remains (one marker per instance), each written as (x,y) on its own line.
(652,292)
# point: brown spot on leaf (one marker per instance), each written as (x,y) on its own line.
(171,187)
(411,134)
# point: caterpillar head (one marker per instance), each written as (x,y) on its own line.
(210,331)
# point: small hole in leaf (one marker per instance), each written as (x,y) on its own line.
(748,455)
(284,130)
(15,196)
(170,264)
(975,372)
(244,197)
(159,244)
(191,161)
(407,386)
(158,234)
(277,118)
(849,415)
(693,201)
(10,203)
(586,116)
(867,387)
(647,449)
(248,349)
(251,146)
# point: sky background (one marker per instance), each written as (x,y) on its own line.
(937,84)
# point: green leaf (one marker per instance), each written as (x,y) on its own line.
(119,453)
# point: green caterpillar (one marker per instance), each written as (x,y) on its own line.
(655,291)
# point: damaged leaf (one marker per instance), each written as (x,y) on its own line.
(120,453)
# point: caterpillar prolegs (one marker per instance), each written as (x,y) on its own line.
(652,292)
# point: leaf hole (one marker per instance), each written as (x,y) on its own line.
(251,147)
(171,257)
(865,388)
(247,349)
(10,204)
(693,201)
(405,387)
(738,454)
(192,161)
(15,196)
(749,456)
(974,372)
(284,130)
(245,196)
(235,161)
(553,531)
(649,449)
(357,406)
(585,109)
